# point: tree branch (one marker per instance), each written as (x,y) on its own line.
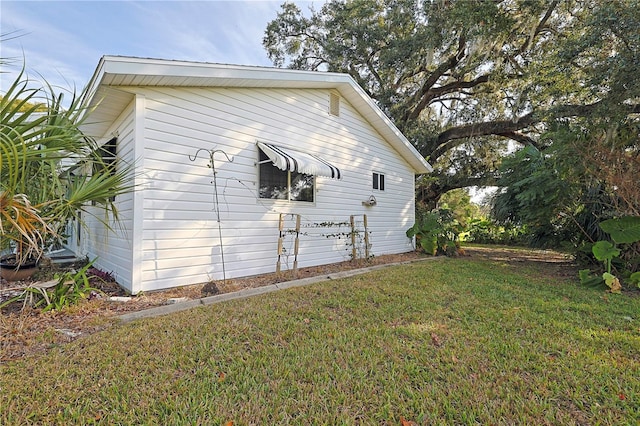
(509,128)
(446,140)
(373,70)
(458,85)
(422,98)
(430,192)
(539,27)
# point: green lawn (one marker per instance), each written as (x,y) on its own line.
(453,341)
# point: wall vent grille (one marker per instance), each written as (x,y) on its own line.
(334,104)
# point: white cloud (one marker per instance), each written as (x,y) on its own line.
(210,31)
(64,40)
(48,51)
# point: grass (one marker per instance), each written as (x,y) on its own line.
(454,341)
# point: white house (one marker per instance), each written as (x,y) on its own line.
(285,144)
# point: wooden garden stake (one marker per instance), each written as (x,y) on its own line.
(354,252)
(366,238)
(280,228)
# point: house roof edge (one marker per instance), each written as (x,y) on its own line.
(113,71)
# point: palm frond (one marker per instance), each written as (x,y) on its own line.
(38,194)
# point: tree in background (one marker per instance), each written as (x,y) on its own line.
(585,168)
(459,203)
(464,79)
(538,97)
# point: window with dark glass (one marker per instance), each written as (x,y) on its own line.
(108,155)
(378,181)
(279,184)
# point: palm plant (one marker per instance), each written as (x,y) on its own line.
(40,143)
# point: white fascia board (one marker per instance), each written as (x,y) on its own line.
(94,82)
(388,129)
(160,67)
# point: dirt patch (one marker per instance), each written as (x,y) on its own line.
(556,264)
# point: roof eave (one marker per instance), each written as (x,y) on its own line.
(115,71)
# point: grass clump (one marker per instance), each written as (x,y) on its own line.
(456,341)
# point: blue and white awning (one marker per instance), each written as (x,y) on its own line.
(298,161)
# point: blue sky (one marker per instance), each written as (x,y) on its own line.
(62,41)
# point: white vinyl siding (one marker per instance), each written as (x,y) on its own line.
(179,235)
(112,249)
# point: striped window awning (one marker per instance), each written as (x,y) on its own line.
(298,161)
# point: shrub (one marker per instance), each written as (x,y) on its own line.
(437,232)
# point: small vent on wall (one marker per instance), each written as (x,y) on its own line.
(334,104)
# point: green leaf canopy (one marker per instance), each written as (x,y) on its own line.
(623,230)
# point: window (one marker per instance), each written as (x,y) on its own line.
(107,153)
(378,181)
(279,184)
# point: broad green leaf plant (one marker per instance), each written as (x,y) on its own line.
(47,173)
(623,230)
(436,232)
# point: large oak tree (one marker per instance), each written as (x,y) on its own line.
(463,78)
